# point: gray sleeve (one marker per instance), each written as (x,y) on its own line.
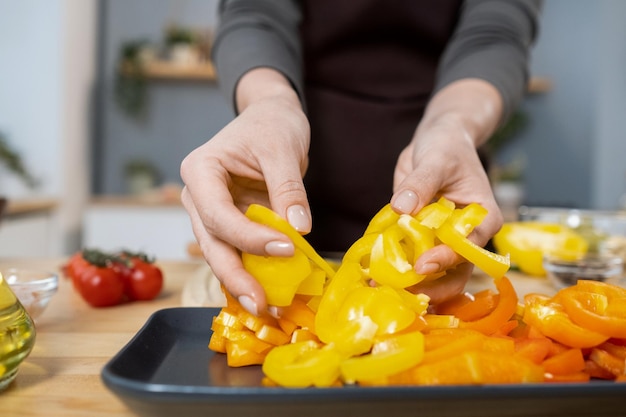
(257,33)
(492,42)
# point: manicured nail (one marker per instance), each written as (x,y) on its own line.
(249,304)
(298,218)
(274,311)
(428,268)
(278,248)
(405,202)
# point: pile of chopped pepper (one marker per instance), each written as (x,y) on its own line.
(359,324)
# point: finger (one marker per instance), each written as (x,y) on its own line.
(446,287)
(206,192)
(225,262)
(288,195)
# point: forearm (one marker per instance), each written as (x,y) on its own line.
(472,106)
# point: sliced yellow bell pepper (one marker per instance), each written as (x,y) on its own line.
(302,364)
(382,304)
(388,261)
(492,264)
(527,242)
(266,216)
(388,357)
(279,276)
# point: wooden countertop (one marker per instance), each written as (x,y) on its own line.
(61,377)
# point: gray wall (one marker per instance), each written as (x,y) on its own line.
(574,143)
(182,114)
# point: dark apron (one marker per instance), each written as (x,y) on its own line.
(369,70)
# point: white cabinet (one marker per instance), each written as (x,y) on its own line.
(27,229)
(161,230)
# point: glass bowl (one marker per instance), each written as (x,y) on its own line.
(34,288)
(596,267)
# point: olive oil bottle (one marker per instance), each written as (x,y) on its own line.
(17,334)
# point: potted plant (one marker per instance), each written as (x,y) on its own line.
(130,81)
(182,45)
(141,176)
(13,161)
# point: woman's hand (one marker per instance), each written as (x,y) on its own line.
(442,160)
(260,157)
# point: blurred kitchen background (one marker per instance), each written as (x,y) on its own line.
(100,138)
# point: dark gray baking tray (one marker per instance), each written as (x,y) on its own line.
(168,370)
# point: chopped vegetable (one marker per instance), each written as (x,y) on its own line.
(360,324)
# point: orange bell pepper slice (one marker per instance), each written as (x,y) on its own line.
(588,304)
(502,313)
(613,364)
(569,362)
(550,319)
(478,367)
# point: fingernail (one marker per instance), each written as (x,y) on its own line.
(274,311)
(278,248)
(249,304)
(405,202)
(428,268)
(298,218)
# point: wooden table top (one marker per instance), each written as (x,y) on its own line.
(61,377)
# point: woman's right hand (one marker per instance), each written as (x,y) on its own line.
(260,157)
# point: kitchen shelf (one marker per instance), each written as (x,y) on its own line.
(205,71)
(165,70)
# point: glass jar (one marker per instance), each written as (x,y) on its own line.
(17,334)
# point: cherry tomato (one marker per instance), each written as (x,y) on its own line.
(143,280)
(100,286)
(75,265)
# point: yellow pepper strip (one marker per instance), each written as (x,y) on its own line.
(493,264)
(360,250)
(313,284)
(388,262)
(434,214)
(417,302)
(382,304)
(348,277)
(421,236)
(280,277)
(302,364)
(355,337)
(467,218)
(389,356)
(267,217)
(382,220)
